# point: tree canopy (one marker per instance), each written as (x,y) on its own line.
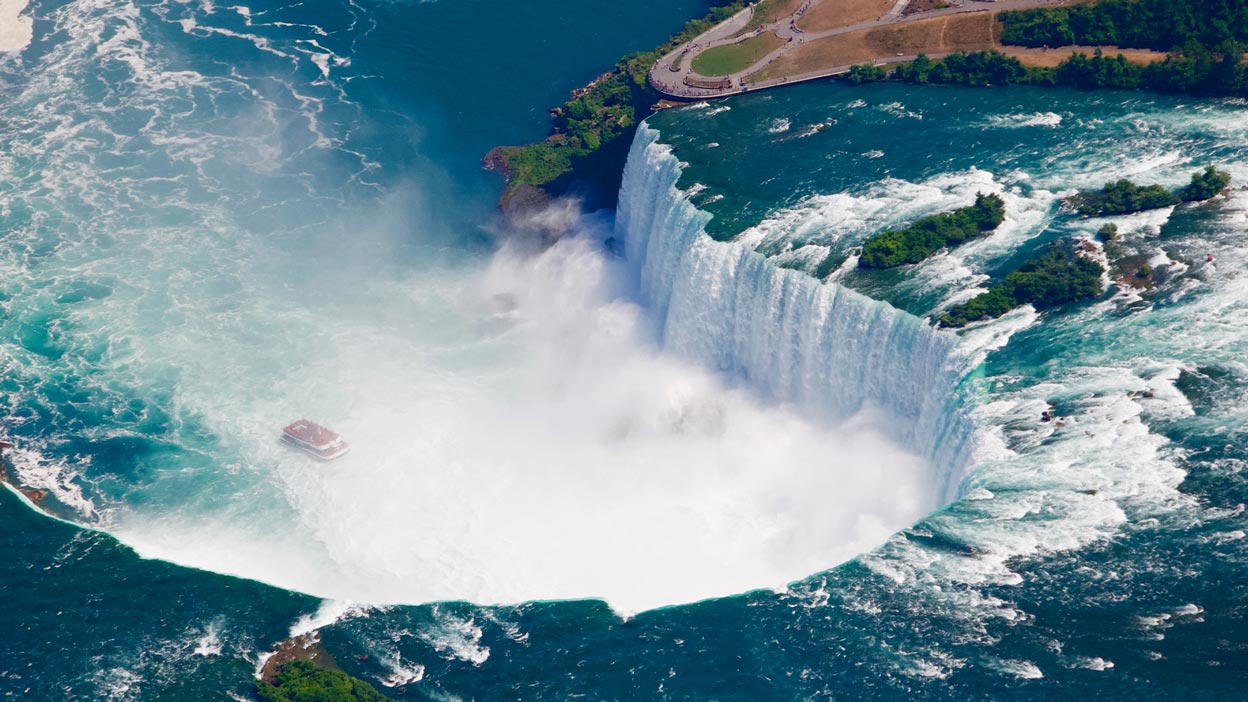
(1057,277)
(301,681)
(898,247)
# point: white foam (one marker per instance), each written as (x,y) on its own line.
(457,638)
(209,643)
(1032,119)
(562,455)
(16,29)
(329,612)
(1023,670)
(779,125)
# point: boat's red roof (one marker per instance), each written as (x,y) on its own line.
(311,433)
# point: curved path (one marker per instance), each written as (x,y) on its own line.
(673,75)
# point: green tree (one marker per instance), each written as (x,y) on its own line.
(1205,185)
(899,247)
(301,681)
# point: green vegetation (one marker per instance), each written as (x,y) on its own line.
(925,237)
(1205,185)
(1163,25)
(1193,70)
(301,681)
(1108,232)
(1057,277)
(1204,38)
(608,111)
(724,60)
(979,68)
(865,73)
(1124,197)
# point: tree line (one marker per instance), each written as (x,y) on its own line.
(1162,25)
(1195,71)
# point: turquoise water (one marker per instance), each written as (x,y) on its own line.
(222,217)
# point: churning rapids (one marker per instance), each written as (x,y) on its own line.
(199,256)
(521,430)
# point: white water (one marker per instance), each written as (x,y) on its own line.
(16,29)
(519,428)
(550,451)
(518,431)
(1034,488)
(823,347)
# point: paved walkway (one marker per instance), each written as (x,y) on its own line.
(674,77)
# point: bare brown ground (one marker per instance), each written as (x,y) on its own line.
(975,31)
(967,32)
(1051,58)
(830,14)
(842,50)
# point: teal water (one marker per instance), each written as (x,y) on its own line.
(218,217)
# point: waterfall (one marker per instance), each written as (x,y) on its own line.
(821,347)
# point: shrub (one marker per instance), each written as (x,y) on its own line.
(1057,277)
(1122,197)
(865,73)
(301,681)
(1205,185)
(1125,197)
(925,237)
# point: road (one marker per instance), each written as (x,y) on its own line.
(674,77)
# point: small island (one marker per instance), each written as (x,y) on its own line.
(1057,277)
(299,669)
(303,681)
(899,247)
(1123,197)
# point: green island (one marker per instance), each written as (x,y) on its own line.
(899,247)
(303,681)
(1124,197)
(1057,277)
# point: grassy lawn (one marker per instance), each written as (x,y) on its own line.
(723,60)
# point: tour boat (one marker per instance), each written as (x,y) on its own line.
(315,439)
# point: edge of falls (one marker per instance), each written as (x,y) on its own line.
(821,347)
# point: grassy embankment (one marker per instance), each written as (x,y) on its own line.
(591,132)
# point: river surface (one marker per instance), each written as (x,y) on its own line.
(222,218)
